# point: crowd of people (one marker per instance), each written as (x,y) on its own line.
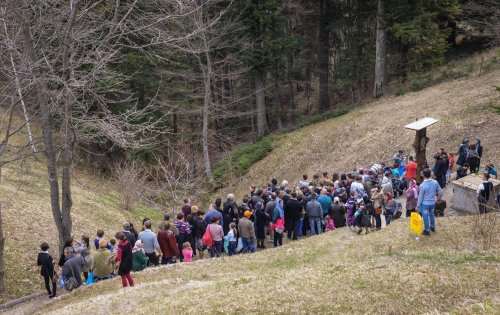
(356,200)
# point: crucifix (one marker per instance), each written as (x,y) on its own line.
(421,140)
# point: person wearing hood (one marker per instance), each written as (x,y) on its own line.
(462,152)
(139,259)
(411,198)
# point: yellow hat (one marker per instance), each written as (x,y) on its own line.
(247,213)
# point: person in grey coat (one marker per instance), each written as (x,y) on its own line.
(72,268)
(315,214)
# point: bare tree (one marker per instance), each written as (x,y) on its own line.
(65,53)
(130,181)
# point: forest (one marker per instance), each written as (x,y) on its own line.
(167,89)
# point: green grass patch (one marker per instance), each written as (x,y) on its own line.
(237,162)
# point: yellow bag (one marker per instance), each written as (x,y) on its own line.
(416,223)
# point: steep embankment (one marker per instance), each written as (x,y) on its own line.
(28,221)
(339,272)
(375,132)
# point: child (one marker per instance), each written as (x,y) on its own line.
(47,269)
(187,252)
(330,226)
(113,248)
(231,237)
(358,217)
(451,158)
(492,170)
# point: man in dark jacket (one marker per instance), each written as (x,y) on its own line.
(230,211)
(72,269)
(129,235)
(293,214)
(46,263)
(440,169)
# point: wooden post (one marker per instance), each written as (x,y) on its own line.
(421,140)
(420,145)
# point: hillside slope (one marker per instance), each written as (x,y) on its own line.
(375,132)
(28,220)
(339,272)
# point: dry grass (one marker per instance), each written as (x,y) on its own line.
(375,132)
(28,220)
(339,272)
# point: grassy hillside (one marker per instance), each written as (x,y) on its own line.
(374,132)
(338,272)
(28,220)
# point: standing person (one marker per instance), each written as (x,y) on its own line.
(187,252)
(293,212)
(378,201)
(441,168)
(231,237)
(315,214)
(125,259)
(428,191)
(278,223)
(483,193)
(72,269)
(451,159)
(391,207)
(411,198)
(473,159)
(411,169)
(213,212)
(260,225)
(325,201)
(351,208)
(230,211)
(479,150)
(184,232)
(217,235)
(151,245)
(129,235)
(168,244)
(45,261)
(199,228)
(247,233)
(337,212)
(186,208)
(87,262)
(462,152)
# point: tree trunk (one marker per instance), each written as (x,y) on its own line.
(380,53)
(2,247)
(323,57)
(46,119)
(277,100)
(260,100)
(207,102)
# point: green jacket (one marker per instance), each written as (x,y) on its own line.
(140,261)
(100,265)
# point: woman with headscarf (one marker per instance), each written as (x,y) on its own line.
(337,212)
(260,225)
(411,198)
(139,259)
(102,270)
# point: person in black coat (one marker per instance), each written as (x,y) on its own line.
(125,258)
(293,214)
(260,225)
(337,213)
(46,263)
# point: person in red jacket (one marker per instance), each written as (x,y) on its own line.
(411,170)
(168,244)
(124,258)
